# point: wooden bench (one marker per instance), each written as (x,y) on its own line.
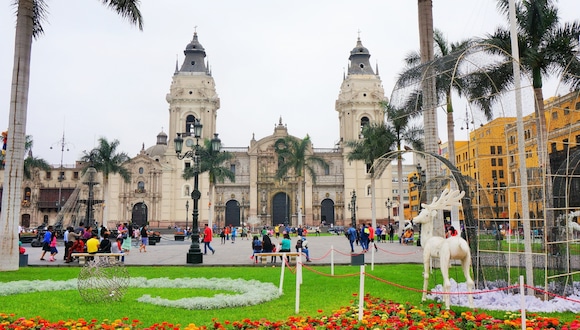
(264,257)
(83,256)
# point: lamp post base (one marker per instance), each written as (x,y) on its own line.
(194,258)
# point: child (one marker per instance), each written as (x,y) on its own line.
(117,248)
(53,250)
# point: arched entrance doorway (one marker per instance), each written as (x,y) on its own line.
(281,206)
(327,212)
(232,213)
(139,215)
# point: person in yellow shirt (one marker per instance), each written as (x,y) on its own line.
(92,245)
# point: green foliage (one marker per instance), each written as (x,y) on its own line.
(295,155)
(31,163)
(377,140)
(107,160)
(212,161)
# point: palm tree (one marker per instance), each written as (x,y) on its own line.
(107,160)
(29,15)
(425,10)
(296,155)
(377,140)
(445,63)
(399,123)
(31,164)
(212,162)
(546,47)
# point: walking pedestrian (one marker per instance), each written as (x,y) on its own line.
(351,236)
(391,233)
(144,238)
(53,249)
(223,235)
(46,241)
(234,234)
(207,237)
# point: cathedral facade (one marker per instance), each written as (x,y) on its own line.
(159,196)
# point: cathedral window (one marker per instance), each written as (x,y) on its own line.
(364,121)
(140,187)
(141,170)
(189,121)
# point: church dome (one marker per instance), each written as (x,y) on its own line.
(158,150)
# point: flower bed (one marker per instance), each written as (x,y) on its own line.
(378,314)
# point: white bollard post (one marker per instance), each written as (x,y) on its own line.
(522,302)
(282,273)
(372,256)
(332,260)
(361,293)
(299,265)
(298,282)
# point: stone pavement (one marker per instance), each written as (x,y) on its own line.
(173,253)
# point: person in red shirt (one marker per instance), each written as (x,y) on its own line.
(372,237)
(207,237)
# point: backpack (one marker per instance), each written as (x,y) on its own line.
(299,244)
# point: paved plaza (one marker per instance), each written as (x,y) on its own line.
(173,253)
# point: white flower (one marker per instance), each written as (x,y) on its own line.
(249,292)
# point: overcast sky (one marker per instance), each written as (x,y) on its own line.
(94,75)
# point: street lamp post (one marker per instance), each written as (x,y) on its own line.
(186,212)
(90,175)
(194,255)
(352,208)
(388,205)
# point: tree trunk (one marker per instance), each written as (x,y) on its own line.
(544,158)
(300,187)
(373,204)
(401,206)
(425,9)
(12,191)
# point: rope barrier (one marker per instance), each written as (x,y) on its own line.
(320,258)
(310,268)
(551,294)
(400,254)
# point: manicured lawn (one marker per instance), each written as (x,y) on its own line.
(319,294)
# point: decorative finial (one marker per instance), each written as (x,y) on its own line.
(195,29)
(358,32)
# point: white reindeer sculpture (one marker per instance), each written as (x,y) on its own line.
(446,249)
(574,226)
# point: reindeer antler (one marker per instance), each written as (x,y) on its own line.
(446,200)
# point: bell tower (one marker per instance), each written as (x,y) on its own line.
(359,103)
(192,94)
(361,94)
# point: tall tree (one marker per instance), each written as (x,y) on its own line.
(29,16)
(212,161)
(425,10)
(546,47)
(295,155)
(31,164)
(445,65)
(105,159)
(399,122)
(376,141)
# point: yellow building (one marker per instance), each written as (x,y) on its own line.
(490,161)
(562,120)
